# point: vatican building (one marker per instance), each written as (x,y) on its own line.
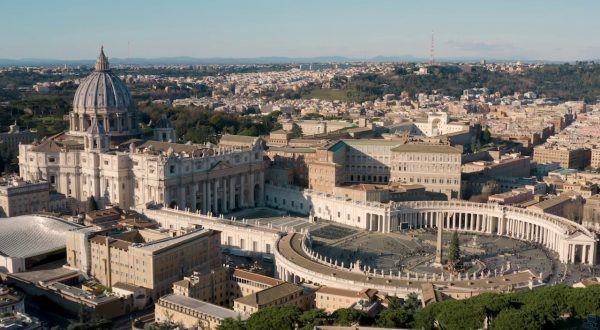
(104,156)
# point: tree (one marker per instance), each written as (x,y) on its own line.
(475,146)
(393,318)
(276,317)
(454,252)
(347,316)
(91,204)
(296,131)
(412,302)
(486,136)
(399,314)
(86,322)
(232,324)
(312,318)
(165,325)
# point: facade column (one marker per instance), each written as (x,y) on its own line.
(243,190)
(193,197)
(181,202)
(369,221)
(223,187)
(232,192)
(214,188)
(261,190)
(499,226)
(107,128)
(251,190)
(204,197)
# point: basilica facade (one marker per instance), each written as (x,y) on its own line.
(102,156)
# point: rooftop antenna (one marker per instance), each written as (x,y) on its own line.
(432,51)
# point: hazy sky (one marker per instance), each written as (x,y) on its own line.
(525,29)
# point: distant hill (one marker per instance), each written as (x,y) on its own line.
(252,60)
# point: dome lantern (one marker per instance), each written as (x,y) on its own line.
(102,64)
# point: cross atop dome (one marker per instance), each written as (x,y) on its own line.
(102,61)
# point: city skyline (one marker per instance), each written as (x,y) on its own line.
(234,29)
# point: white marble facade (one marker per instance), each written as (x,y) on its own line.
(90,160)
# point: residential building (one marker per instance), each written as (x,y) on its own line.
(207,285)
(147,258)
(332,299)
(567,205)
(282,294)
(568,157)
(243,283)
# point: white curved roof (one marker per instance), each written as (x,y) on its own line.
(31,235)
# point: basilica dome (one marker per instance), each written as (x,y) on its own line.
(102,90)
(103,96)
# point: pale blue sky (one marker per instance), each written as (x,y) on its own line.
(540,29)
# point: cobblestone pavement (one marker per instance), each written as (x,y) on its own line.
(414,250)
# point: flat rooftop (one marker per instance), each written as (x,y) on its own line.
(160,244)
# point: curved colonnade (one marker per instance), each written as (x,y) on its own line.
(573,243)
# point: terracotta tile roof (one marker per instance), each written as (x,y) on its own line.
(243,274)
(184,283)
(363,294)
(120,244)
(98,240)
(430,148)
(177,147)
(47,146)
(269,295)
